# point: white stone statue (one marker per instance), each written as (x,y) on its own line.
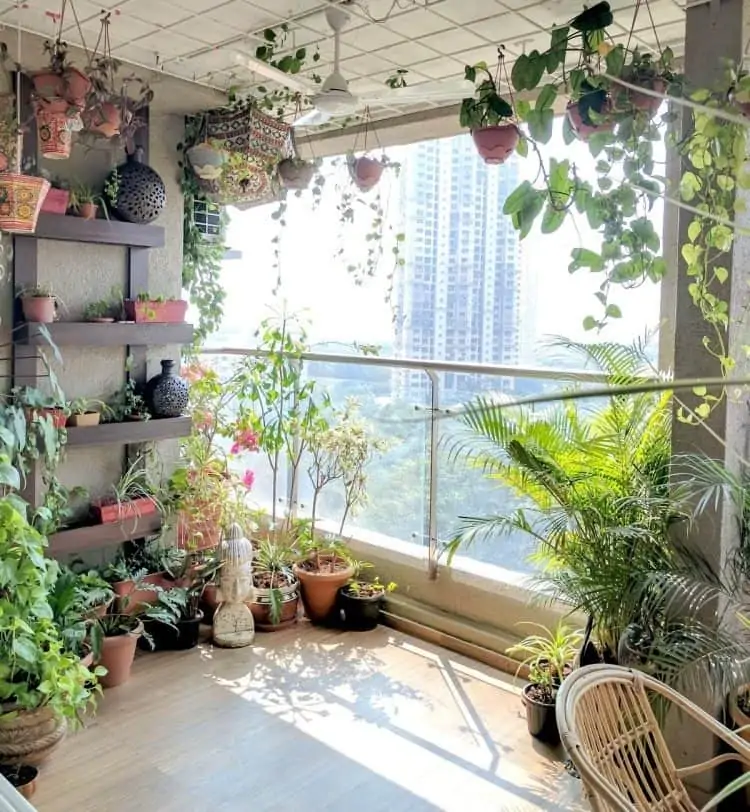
(233,621)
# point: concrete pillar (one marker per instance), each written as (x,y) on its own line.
(714,34)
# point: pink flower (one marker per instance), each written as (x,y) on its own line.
(203,421)
(193,372)
(246,440)
(248,478)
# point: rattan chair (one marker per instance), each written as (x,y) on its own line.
(611,735)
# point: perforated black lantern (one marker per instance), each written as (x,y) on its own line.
(141,195)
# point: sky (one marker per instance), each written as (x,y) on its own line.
(315,279)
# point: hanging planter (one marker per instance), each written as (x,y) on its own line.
(104,119)
(52,126)
(591,113)
(295,173)
(76,87)
(21,198)
(206,160)
(365,172)
(489,116)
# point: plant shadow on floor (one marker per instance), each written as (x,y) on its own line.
(303,679)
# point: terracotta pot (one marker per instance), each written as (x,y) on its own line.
(583,130)
(117,657)
(200,529)
(124,511)
(48,84)
(261,608)
(171,311)
(77,86)
(39,308)
(628,98)
(209,602)
(105,119)
(99,611)
(21,198)
(88,660)
(56,201)
(58,416)
(365,172)
(319,589)
(88,211)
(296,174)
(22,778)
(496,144)
(29,736)
(85,419)
(53,132)
(137,598)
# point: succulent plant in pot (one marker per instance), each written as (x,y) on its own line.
(550,656)
(85,201)
(276,596)
(489,117)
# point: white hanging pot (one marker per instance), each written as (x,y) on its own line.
(206,160)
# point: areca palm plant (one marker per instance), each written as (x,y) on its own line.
(607,521)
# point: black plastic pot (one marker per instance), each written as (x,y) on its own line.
(358,614)
(540,718)
(22,777)
(169,638)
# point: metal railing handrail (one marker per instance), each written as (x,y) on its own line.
(424,365)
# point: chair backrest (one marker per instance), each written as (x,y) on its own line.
(613,738)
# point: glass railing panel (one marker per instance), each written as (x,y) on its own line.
(395,510)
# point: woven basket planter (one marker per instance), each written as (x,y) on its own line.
(21,198)
(30,736)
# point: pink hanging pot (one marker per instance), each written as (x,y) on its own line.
(496,144)
(365,172)
(585,129)
(53,130)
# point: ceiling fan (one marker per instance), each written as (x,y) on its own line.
(333,98)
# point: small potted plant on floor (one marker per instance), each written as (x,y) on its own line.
(132,497)
(43,688)
(39,304)
(322,568)
(488,116)
(360,602)
(85,412)
(276,595)
(114,638)
(22,777)
(549,656)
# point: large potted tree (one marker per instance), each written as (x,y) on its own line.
(43,687)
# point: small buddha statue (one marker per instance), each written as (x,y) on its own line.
(233,621)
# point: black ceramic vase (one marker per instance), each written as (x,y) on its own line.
(141,194)
(167,393)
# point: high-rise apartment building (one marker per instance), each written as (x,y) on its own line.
(458,294)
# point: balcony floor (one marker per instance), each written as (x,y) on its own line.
(308,719)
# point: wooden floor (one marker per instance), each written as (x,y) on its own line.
(308,720)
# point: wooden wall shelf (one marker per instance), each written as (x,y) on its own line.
(93,537)
(103,232)
(129,432)
(119,334)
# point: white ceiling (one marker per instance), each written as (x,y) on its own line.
(199,40)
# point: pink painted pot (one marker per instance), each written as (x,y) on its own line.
(583,130)
(496,144)
(365,172)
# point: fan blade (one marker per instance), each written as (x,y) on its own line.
(312,118)
(429,91)
(288,80)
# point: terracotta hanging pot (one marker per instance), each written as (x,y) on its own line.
(104,119)
(77,86)
(496,144)
(585,129)
(207,161)
(365,172)
(628,98)
(53,130)
(48,84)
(21,198)
(295,173)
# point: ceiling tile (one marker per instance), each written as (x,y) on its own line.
(451,42)
(371,37)
(214,60)
(418,23)
(663,12)
(135,54)
(160,13)
(205,30)
(467,11)
(364,65)
(438,68)
(126,28)
(407,52)
(239,15)
(501,29)
(285,9)
(200,6)
(168,44)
